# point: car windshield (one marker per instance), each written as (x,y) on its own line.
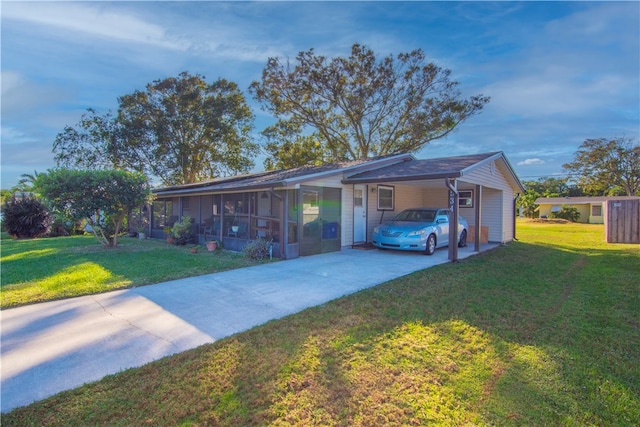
(416,215)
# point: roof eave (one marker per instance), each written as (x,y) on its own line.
(425,177)
(209,190)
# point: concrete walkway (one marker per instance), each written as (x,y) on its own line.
(60,345)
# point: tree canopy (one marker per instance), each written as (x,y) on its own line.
(606,166)
(363,105)
(91,144)
(286,148)
(103,197)
(180,130)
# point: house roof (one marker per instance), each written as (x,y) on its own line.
(430,169)
(393,168)
(445,167)
(281,178)
(580,200)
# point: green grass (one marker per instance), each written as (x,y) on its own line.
(543,331)
(47,269)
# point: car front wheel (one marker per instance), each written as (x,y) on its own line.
(431,244)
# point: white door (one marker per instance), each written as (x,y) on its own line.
(359,214)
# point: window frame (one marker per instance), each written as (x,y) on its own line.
(390,205)
(465,201)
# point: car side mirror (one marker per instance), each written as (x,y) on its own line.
(441,220)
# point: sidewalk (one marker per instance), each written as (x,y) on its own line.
(50,347)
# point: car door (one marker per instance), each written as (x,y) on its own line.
(442,227)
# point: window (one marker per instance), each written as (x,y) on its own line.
(596,210)
(385,198)
(357,197)
(465,198)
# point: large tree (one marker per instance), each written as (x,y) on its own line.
(180,130)
(606,166)
(91,144)
(287,148)
(553,187)
(102,197)
(363,105)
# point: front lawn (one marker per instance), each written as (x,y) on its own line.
(46,269)
(543,331)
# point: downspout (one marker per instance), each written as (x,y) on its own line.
(515,209)
(453,234)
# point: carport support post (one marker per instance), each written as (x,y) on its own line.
(453,223)
(478,203)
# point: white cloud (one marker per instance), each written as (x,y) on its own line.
(531,162)
(20,95)
(91,20)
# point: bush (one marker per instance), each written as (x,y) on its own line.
(258,250)
(568,213)
(182,231)
(26,217)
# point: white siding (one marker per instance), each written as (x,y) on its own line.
(492,213)
(497,200)
(346,226)
(488,176)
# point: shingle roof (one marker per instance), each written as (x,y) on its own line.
(277,178)
(401,167)
(445,167)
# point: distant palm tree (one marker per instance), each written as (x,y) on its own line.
(27,182)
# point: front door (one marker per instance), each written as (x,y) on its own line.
(359,214)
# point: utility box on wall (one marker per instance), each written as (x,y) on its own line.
(622,221)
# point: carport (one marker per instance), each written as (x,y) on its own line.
(483,188)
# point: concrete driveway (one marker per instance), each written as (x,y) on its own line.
(50,347)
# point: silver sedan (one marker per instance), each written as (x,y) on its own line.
(420,229)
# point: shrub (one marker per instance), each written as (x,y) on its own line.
(26,217)
(258,250)
(568,213)
(182,231)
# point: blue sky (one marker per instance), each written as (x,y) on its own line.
(557,72)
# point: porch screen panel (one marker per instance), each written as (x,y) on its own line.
(162,213)
(311,223)
(293,216)
(330,211)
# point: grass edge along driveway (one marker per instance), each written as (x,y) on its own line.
(543,331)
(48,269)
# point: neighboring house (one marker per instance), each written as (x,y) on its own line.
(317,209)
(591,209)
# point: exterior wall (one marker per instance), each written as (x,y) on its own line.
(497,200)
(585,212)
(347,216)
(508,220)
(545,210)
(492,214)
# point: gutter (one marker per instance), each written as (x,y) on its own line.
(515,209)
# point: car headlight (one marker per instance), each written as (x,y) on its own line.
(416,233)
(376,229)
